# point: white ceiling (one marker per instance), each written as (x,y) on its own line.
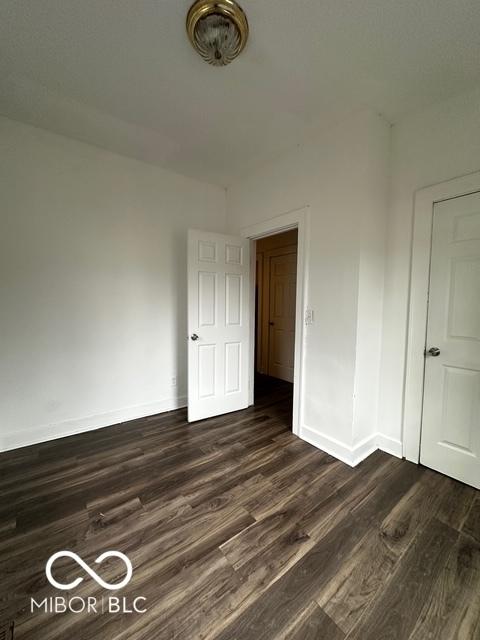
(121,73)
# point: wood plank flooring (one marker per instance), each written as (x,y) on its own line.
(237,530)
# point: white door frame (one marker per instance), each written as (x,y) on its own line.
(298,219)
(425,199)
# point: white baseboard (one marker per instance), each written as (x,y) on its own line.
(363,449)
(390,445)
(43,433)
(351,455)
(329,445)
(46,432)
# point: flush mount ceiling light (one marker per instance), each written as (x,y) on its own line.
(217,29)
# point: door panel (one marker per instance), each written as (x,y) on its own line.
(233,288)
(464,311)
(233,359)
(206,370)
(207,294)
(460,419)
(218,319)
(451,415)
(283,282)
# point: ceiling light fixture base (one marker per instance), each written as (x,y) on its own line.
(218,30)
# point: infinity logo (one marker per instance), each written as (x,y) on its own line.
(95,576)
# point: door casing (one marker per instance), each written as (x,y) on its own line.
(424,202)
(297,219)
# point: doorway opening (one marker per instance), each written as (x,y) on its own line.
(275,259)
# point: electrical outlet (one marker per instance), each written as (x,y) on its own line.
(174,381)
(308,316)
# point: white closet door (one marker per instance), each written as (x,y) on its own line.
(451,414)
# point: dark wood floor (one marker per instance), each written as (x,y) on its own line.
(238,530)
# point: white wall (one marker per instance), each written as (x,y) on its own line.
(341,175)
(92,284)
(372,239)
(429,147)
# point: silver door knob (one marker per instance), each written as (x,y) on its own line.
(194,337)
(434,351)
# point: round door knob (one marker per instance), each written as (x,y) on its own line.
(194,337)
(434,351)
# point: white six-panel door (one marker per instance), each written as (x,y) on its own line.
(218,323)
(450,440)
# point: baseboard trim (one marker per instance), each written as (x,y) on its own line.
(351,455)
(390,445)
(45,433)
(329,445)
(364,449)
